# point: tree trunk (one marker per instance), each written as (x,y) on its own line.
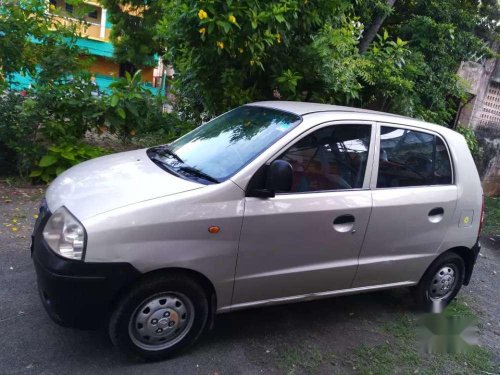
(372,31)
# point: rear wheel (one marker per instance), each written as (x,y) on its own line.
(159,317)
(440,283)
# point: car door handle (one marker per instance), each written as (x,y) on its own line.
(344,223)
(436,215)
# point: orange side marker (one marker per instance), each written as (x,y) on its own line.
(213,229)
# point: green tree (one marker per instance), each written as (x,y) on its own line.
(43,130)
(134,30)
(441,34)
(36,43)
(228,53)
(231,52)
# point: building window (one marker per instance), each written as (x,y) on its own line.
(127,67)
(92,14)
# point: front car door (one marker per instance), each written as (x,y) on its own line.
(414,200)
(307,241)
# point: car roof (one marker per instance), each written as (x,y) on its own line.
(306,108)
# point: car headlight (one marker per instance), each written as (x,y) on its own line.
(64,234)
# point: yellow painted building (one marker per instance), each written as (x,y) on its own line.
(95,41)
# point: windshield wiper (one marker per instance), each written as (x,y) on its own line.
(198,173)
(156,158)
(169,152)
(158,161)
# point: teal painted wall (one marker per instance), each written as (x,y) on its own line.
(23,82)
(103,83)
(95,47)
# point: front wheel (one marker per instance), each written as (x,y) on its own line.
(440,283)
(159,317)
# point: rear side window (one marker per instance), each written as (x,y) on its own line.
(412,158)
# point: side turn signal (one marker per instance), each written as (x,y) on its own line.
(214,229)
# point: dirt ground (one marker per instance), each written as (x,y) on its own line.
(370,333)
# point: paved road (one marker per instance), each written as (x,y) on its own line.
(250,342)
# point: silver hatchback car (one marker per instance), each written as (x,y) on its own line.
(272,202)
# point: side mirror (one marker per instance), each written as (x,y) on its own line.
(279,176)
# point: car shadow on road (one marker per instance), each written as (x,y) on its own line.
(306,318)
(337,325)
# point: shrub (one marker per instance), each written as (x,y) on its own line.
(59,112)
(471,139)
(67,109)
(132,109)
(19,147)
(61,157)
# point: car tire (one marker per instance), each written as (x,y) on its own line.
(159,317)
(440,283)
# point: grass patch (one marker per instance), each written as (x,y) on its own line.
(305,358)
(397,354)
(478,359)
(491,215)
(385,359)
(400,353)
(460,308)
(401,327)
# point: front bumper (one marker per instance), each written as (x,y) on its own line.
(76,293)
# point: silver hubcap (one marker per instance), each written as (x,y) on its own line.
(443,282)
(161,321)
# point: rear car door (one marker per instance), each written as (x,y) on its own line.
(414,200)
(308,240)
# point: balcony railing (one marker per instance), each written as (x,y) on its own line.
(88,29)
(92,25)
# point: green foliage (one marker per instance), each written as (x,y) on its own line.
(34,44)
(227,53)
(400,351)
(63,112)
(441,34)
(338,64)
(348,77)
(59,107)
(132,109)
(66,110)
(286,49)
(491,215)
(133,32)
(471,140)
(61,157)
(18,134)
(43,130)
(55,113)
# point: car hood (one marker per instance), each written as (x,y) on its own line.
(113,181)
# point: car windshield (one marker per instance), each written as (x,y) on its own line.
(218,149)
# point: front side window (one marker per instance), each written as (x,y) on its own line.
(331,158)
(412,158)
(220,148)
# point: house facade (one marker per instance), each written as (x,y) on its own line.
(95,41)
(482,114)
